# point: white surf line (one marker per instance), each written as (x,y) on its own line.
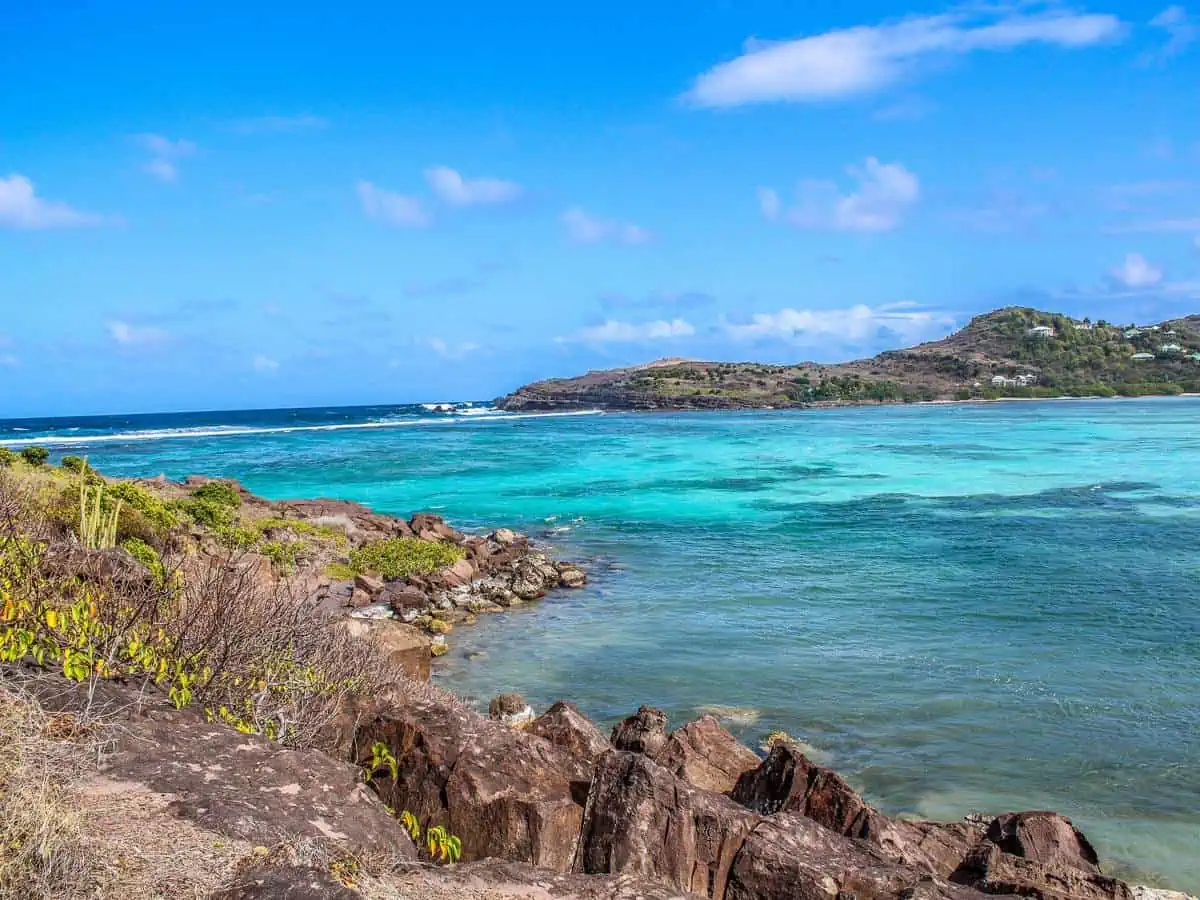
(234,431)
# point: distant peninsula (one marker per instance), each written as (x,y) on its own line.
(1015,352)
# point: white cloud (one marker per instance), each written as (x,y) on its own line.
(264,364)
(135,335)
(162,169)
(278,124)
(860,60)
(458,191)
(584,228)
(613,331)
(21,207)
(446,350)
(1137,272)
(164,152)
(884,193)
(858,324)
(1181,31)
(391,208)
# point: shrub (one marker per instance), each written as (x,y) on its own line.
(7,457)
(76,464)
(160,517)
(237,537)
(207,512)
(221,493)
(282,554)
(400,557)
(148,557)
(35,456)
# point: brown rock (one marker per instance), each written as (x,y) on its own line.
(789,856)
(1043,837)
(405,646)
(706,755)
(423,524)
(506,705)
(643,732)
(359,598)
(269,881)
(565,726)
(571,576)
(505,793)
(787,781)
(642,820)
(991,870)
(936,847)
(371,584)
(462,572)
(402,597)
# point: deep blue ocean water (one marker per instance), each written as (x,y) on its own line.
(960,607)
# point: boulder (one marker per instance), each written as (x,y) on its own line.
(787,781)
(1043,837)
(432,528)
(529,581)
(504,536)
(565,726)
(371,584)
(505,793)
(511,710)
(405,646)
(460,573)
(642,820)
(643,732)
(991,870)
(936,847)
(570,576)
(788,856)
(706,755)
(402,597)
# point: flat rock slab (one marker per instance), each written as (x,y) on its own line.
(247,787)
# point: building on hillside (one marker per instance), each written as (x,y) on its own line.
(1132,332)
(1169,348)
(1041,331)
(1025,380)
(1142,356)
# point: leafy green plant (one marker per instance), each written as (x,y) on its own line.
(339,571)
(442,845)
(220,492)
(7,458)
(147,556)
(76,464)
(35,456)
(237,537)
(97,526)
(207,512)
(382,757)
(410,824)
(160,517)
(400,557)
(282,554)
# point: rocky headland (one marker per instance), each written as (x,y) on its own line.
(236,754)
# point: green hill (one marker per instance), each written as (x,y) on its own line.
(1011,352)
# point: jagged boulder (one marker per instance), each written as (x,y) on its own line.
(642,820)
(504,793)
(643,732)
(405,646)
(788,856)
(706,755)
(565,726)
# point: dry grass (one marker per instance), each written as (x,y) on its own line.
(45,848)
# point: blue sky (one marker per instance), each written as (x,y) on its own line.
(365,203)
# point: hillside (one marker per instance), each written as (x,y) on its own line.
(1011,352)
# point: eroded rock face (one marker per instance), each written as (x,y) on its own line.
(565,726)
(787,781)
(643,732)
(706,755)
(643,820)
(789,856)
(1043,837)
(504,793)
(406,646)
(993,871)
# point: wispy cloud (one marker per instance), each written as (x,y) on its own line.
(584,228)
(455,284)
(906,109)
(264,364)
(448,350)
(614,331)
(452,188)
(861,60)
(1181,30)
(391,208)
(22,208)
(1137,272)
(278,124)
(164,155)
(1002,211)
(127,335)
(883,194)
(659,300)
(1149,226)
(855,325)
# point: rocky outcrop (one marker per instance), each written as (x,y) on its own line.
(565,726)
(701,752)
(405,646)
(643,820)
(505,793)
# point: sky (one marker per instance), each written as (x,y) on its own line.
(244,206)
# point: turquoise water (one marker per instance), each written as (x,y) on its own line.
(967,607)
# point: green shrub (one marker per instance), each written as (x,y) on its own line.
(35,456)
(401,557)
(282,554)
(339,571)
(237,537)
(220,492)
(304,527)
(7,457)
(76,464)
(207,512)
(158,516)
(148,557)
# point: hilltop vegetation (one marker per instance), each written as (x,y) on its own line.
(1012,352)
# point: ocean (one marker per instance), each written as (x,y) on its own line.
(967,607)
